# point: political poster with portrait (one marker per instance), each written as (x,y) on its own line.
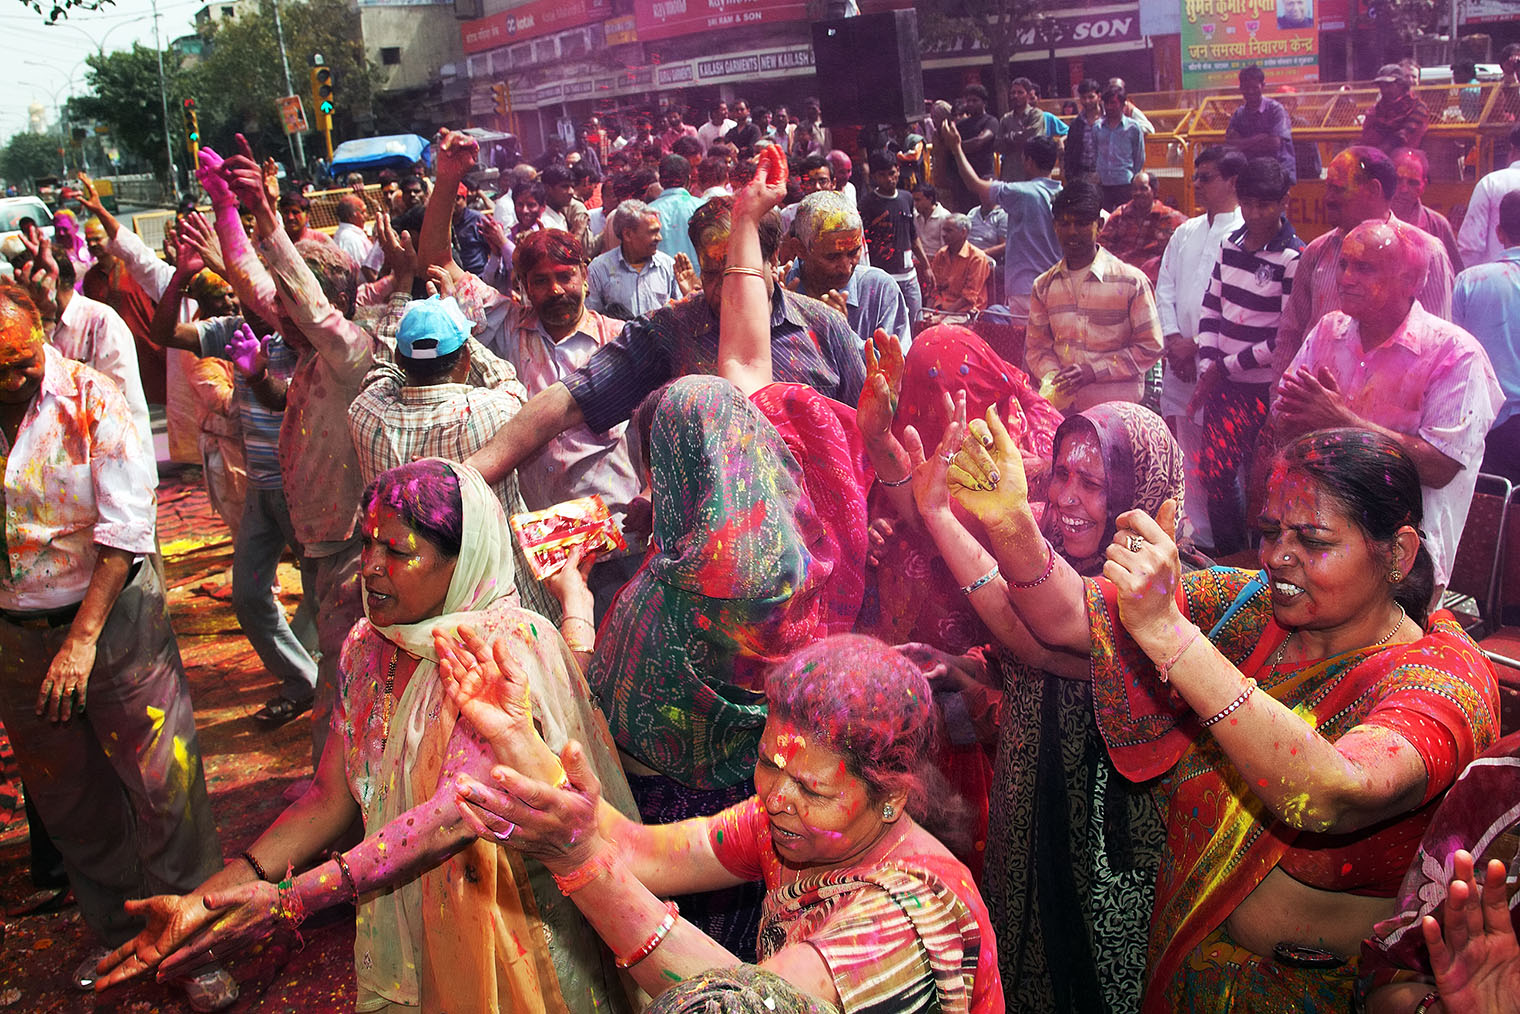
(1219,37)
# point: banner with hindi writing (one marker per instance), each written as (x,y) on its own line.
(1219,37)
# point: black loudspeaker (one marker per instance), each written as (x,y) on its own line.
(869,68)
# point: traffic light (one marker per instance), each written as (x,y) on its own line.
(499,94)
(322,96)
(192,125)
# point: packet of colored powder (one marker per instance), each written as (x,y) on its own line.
(547,536)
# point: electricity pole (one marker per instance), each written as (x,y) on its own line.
(163,97)
(297,146)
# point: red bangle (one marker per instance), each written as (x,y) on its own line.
(672,913)
(1050,566)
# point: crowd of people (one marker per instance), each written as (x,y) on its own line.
(1103,670)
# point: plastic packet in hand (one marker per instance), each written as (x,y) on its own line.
(547,536)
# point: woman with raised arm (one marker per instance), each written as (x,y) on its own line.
(445,922)
(1300,720)
(757,549)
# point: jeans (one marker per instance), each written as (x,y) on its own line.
(262,537)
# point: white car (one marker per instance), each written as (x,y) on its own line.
(12,211)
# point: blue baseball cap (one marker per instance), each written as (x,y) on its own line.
(432,328)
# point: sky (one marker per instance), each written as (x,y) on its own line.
(46,64)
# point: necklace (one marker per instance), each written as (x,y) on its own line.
(1277,656)
(385,706)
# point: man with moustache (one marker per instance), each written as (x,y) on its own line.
(1359,186)
(1382,362)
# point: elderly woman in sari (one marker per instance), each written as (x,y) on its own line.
(864,909)
(443,918)
(1300,721)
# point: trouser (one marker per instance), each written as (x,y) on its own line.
(913,294)
(1232,421)
(1175,395)
(1501,451)
(339,606)
(120,788)
(262,536)
(1115,194)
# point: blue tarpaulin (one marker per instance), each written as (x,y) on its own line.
(394,151)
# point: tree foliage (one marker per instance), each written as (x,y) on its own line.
(236,84)
(124,95)
(52,10)
(996,23)
(241,79)
(28,155)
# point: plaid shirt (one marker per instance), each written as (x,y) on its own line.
(393,423)
(1137,237)
(1102,316)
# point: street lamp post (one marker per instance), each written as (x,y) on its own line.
(163,97)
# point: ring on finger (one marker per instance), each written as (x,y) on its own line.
(502,836)
(948,457)
(1135,543)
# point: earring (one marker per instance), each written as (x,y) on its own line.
(887,812)
(1395,575)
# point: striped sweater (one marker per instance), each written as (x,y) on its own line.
(1244,304)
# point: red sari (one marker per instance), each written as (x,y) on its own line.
(1439,693)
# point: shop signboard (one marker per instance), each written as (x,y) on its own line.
(742,65)
(1098,25)
(530,20)
(664,19)
(1219,37)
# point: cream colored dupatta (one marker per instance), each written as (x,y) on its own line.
(468,935)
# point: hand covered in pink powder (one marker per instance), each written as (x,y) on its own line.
(553,823)
(209,174)
(248,352)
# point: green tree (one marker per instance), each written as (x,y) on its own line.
(240,81)
(124,95)
(52,10)
(29,155)
(997,23)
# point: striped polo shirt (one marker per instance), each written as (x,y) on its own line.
(1244,302)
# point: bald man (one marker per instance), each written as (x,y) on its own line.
(1382,362)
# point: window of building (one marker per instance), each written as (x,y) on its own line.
(390,56)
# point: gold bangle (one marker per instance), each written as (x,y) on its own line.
(744,271)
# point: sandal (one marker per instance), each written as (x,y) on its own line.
(281,710)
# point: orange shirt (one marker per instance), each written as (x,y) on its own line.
(960,275)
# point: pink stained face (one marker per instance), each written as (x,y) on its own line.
(406,578)
(820,814)
(1348,199)
(1323,570)
(1079,494)
(1369,271)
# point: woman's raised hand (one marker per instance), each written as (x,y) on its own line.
(491,692)
(883,387)
(554,823)
(1145,568)
(767,189)
(1476,959)
(986,474)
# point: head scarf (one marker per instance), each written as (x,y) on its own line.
(1142,468)
(471,911)
(949,358)
(915,597)
(738,577)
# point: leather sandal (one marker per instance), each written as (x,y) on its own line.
(280,711)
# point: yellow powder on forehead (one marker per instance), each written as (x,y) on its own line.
(838,239)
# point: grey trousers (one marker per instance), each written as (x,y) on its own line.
(261,539)
(340,605)
(120,788)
